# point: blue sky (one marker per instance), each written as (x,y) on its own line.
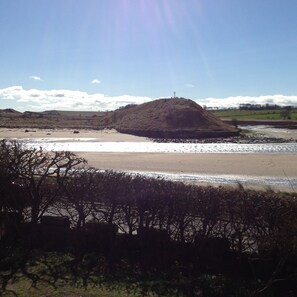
(101,54)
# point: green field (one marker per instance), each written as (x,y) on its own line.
(269,114)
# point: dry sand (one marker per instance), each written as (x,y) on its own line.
(259,165)
(99,135)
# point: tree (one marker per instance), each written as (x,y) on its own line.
(286,112)
(79,186)
(36,170)
(12,197)
(113,189)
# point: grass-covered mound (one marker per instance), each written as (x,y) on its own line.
(170,118)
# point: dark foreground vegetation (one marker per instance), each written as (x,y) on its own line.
(65,227)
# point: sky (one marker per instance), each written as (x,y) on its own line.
(103,54)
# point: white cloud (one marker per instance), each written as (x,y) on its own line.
(40,100)
(35,77)
(234,101)
(95,81)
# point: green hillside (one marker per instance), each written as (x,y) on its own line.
(269,114)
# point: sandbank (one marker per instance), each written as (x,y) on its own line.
(237,166)
(98,135)
(274,165)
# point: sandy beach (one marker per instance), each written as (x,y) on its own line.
(274,165)
(257,165)
(97,135)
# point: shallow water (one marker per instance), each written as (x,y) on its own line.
(270,131)
(91,145)
(290,184)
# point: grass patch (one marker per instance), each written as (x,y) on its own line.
(49,274)
(274,114)
(56,275)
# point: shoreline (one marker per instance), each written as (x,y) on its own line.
(250,170)
(282,166)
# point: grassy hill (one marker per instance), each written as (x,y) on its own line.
(169,118)
(52,119)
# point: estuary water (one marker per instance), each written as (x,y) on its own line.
(289,184)
(91,145)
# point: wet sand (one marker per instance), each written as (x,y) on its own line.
(273,165)
(259,165)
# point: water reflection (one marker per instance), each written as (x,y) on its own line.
(90,145)
(290,184)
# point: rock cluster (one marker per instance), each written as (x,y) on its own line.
(235,139)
